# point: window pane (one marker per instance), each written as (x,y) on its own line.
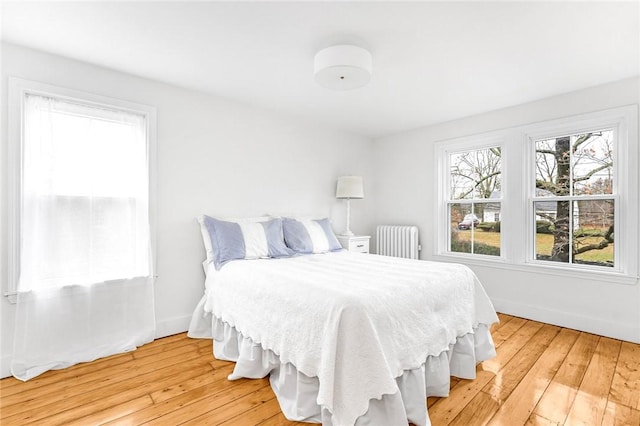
(476,174)
(475,228)
(84,234)
(580,164)
(592,240)
(460,243)
(553,167)
(592,163)
(552,230)
(486,239)
(593,232)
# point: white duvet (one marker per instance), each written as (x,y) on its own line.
(354,321)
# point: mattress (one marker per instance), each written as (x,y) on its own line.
(348,337)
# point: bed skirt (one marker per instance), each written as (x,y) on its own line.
(297,393)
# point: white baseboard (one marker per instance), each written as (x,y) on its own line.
(171,326)
(600,326)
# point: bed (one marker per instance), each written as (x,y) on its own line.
(347,338)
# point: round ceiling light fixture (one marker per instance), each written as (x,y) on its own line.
(342,67)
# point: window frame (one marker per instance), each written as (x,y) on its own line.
(618,120)
(445,150)
(518,219)
(18,89)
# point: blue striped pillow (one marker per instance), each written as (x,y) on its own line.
(310,236)
(245,240)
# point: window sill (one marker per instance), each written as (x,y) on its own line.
(538,268)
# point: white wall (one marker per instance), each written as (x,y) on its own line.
(214,156)
(405,193)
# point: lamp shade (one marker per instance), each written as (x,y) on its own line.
(342,67)
(350,187)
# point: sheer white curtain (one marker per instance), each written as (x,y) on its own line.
(86,281)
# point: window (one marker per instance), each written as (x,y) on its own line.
(574,201)
(569,206)
(81,189)
(471,182)
(473,206)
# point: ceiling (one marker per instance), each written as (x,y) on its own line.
(432,61)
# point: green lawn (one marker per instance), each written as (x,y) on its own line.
(544,244)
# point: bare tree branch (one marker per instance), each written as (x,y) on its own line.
(582,139)
(547,216)
(554,188)
(608,239)
(479,182)
(602,244)
(593,172)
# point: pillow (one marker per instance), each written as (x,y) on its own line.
(206,238)
(309,235)
(245,240)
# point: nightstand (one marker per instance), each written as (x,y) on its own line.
(356,243)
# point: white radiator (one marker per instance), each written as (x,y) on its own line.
(398,241)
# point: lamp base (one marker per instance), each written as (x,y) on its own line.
(347,233)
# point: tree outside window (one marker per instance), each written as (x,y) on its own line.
(574,201)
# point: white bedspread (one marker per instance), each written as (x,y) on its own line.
(341,316)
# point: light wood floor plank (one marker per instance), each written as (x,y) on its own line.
(194,402)
(240,411)
(517,408)
(177,380)
(591,401)
(476,413)
(502,384)
(177,388)
(504,319)
(625,388)
(100,398)
(44,379)
(512,346)
(140,378)
(256,415)
(561,392)
(508,377)
(128,387)
(536,420)
(111,413)
(620,415)
(503,333)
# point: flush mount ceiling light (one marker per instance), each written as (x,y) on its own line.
(342,67)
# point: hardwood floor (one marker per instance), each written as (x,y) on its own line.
(542,375)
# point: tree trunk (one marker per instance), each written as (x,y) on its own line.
(561,241)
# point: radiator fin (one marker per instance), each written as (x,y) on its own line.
(398,241)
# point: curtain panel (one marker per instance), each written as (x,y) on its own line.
(86,279)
